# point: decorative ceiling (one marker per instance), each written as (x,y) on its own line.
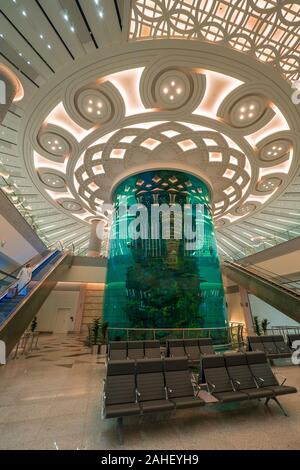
(268,30)
(115,104)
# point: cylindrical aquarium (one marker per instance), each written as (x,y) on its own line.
(163,268)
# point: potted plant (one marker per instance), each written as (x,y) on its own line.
(33,325)
(257,326)
(95,335)
(103,347)
(264,324)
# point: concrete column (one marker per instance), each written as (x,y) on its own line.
(247,310)
(95,241)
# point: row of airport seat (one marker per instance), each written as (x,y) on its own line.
(136,387)
(143,386)
(192,349)
(242,376)
(273,345)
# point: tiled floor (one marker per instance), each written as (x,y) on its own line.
(51,400)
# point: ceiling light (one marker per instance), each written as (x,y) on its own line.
(165,90)
(49,46)
(90,101)
(173,83)
(90,110)
(24,13)
(41,36)
(72,29)
(101,14)
(66,17)
(178,91)
(171,97)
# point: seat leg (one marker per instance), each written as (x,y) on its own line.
(120,430)
(278,403)
(280,406)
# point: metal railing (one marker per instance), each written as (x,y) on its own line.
(230,336)
(283,330)
(291,285)
(27,343)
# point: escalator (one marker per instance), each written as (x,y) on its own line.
(16,313)
(280,292)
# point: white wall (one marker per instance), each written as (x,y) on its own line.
(16,246)
(263,310)
(47,316)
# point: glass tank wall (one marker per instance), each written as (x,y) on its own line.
(157,279)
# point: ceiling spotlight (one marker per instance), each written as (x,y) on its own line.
(49,46)
(242,116)
(165,90)
(171,97)
(99,104)
(24,13)
(56,142)
(98,112)
(250,115)
(41,36)
(252,106)
(72,29)
(90,101)
(90,110)
(178,91)
(66,17)
(173,83)
(243,109)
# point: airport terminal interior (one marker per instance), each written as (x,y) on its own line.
(149,225)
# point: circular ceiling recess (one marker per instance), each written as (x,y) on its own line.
(94,106)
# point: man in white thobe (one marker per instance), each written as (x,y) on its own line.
(24,277)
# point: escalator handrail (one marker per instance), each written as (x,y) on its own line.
(263,270)
(36,266)
(264,278)
(7,275)
(8,319)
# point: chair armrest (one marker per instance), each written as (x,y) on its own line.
(258,380)
(209,384)
(282,376)
(235,383)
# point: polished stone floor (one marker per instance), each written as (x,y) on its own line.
(50,399)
